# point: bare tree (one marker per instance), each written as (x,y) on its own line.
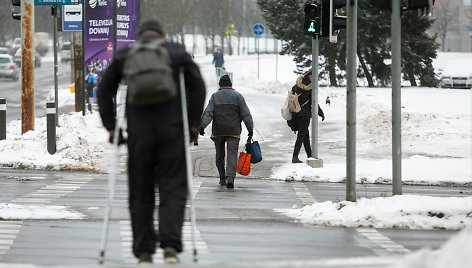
(446,20)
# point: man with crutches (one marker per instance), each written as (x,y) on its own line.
(156,146)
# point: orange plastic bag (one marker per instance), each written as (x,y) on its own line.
(244,164)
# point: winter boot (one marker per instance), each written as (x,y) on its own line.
(222,181)
(230,183)
(145,258)
(296,151)
(170,256)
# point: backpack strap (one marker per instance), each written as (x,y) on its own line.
(151,45)
(305,103)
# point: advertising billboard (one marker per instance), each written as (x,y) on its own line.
(127,22)
(98,46)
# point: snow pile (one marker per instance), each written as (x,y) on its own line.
(37,212)
(455,253)
(79,145)
(417,170)
(405,211)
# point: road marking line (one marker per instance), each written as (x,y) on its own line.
(52,192)
(303,193)
(127,242)
(382,240)
(8,233)
(7,236)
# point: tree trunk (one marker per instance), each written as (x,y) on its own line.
(331,67)
(182,36)
(443,42)
(412,80)
(367,74)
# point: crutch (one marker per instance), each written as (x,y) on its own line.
(112,175)
(188,162)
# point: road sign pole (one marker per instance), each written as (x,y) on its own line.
(56,87)
(258,56)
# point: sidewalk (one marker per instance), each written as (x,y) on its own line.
(366,262)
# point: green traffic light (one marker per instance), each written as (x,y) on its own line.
(311,26)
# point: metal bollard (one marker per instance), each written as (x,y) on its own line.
(51,126)
(3,118)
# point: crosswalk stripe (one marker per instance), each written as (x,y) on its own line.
(127,241)
(382,240)
(303,193)
(8,233)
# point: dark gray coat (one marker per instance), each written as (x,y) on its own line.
(227,108)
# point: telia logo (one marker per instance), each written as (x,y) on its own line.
(121,3)
(93,3)
(100,3)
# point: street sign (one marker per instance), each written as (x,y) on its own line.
(229,29)
(258,29)
(72,17)
(56,2)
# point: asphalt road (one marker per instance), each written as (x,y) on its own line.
(237,225)
(43,84)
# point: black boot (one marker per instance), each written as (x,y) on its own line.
(222,182)
(296,151)
(230,183)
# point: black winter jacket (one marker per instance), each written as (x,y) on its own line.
(303,88)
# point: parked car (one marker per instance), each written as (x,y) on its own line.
(66,52)
(16,45)
(457,74)
(36,59)
(5,50)
(8,67)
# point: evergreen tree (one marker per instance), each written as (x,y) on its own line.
(285,20)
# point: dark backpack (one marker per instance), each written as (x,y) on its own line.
(148,73)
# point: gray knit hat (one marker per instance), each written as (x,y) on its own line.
(150,25)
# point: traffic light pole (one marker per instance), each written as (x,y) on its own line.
(396,100)
(351,67)
(314,161)
(315,43)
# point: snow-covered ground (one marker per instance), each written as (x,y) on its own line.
(436,147)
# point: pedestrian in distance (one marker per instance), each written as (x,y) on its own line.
(155,140)
(226,108)
(328,101)
(302,87)
(218,59)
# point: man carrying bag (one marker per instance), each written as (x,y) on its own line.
(226,108)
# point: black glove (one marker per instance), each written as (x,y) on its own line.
(121,139)
(250,133)
(201,130)
(193,133)
(322,118)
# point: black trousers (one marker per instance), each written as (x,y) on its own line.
(156,158)
(303,136)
